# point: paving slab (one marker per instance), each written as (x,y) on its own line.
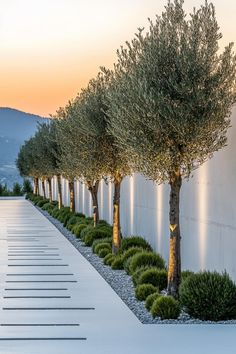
(53,301)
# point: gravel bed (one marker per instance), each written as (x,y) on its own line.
(122,283)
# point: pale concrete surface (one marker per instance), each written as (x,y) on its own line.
(35,255)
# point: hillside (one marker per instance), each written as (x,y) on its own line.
(15,127)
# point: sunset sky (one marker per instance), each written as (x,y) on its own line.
(49,49)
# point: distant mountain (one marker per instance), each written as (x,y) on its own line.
(15,127)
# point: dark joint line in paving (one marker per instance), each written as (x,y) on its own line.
(32,255)
(37,265)
(46,308)
(35,259)
(26,339)
(29,289)
(36,297)
(41,281)
(38,324)
(40,274)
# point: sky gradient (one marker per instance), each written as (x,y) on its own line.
(49,49)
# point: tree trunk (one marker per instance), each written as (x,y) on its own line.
(36,186)
(72,196)
(50,189)
(59,191)
(44,189)
(93,189)
(116,238)
(174,267)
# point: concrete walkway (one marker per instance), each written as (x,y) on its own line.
(53,301)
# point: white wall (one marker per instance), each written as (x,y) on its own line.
(208,212)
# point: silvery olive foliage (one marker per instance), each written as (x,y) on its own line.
(172,92)
(82,131)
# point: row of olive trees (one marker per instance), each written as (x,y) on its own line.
(163,111)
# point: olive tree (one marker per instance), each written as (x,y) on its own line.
(83,148)
(65,163)
(25,165)
(170,103)
(98,152)
(30,161)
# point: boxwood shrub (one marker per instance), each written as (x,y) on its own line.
(154,276)
(110,259)
(102,245)
(117,262)
(134,241)
(209,296)
(150,300)
(77,228)
(41,202)
(165,307)
(107,240)
(103,252)
(84,232)
(107,257)
(185,274)
(131,252)
(94,234)
(142,291)
(146,258)
(137,273)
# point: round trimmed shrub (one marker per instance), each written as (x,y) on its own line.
(66,218)
(103,223)
(209,296)
(146,258)
(80,215)
(165,307)
(77,228)
(55,212)
(106,228)
(41,202)
(142,291)
(102,245)
(93,235)
(185,274)
(150,300)
(110,260)
(84,232)
(134,241)
(107,240)
(137,273)
(72,221)
(103,252)
(117,263)
(127,264)
(131,252)
(107,257)
(154,276)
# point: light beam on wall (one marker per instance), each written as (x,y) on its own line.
(110,201)
(131,187)
(83,197)
(101,199)
(159,194)
(202,214)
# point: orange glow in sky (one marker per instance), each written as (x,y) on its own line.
(49,49)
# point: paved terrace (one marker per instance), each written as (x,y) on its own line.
(53,301)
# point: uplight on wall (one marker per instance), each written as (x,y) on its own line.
(159,208)
(202,213)
(101,199)
(110,201)
(131,193)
